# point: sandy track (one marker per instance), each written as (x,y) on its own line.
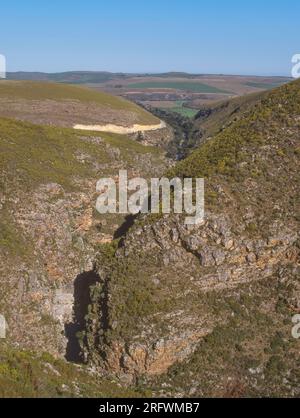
(116,129)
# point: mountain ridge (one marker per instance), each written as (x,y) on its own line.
(200,283)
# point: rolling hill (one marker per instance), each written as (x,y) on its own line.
(67,105)
(71,77)
(175,91)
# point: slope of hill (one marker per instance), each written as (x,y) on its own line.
(30,375)
(207,310)
(49,227)
(211,119)
(67,105)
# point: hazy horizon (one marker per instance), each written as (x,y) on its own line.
(152,73)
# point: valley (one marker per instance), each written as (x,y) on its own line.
(146,306)
(179,92)
(149,204)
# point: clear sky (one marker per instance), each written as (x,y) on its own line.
(215,36)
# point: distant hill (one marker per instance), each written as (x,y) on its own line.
(67,105)
(83,77)
(73,77)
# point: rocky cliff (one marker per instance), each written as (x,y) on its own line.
(217,298)
(49,228)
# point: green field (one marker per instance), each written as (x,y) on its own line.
(181,85)
(185,111)
(182,110)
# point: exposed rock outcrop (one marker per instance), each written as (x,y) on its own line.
(165,291)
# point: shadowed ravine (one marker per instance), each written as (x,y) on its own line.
(82,285)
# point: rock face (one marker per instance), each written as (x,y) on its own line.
(190,263)
(117,129)
(169,290)
(51,231)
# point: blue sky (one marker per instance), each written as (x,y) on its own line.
(216,36)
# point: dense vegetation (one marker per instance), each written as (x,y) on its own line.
(29,375)
(276,111)
(252,355)
(36,154)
